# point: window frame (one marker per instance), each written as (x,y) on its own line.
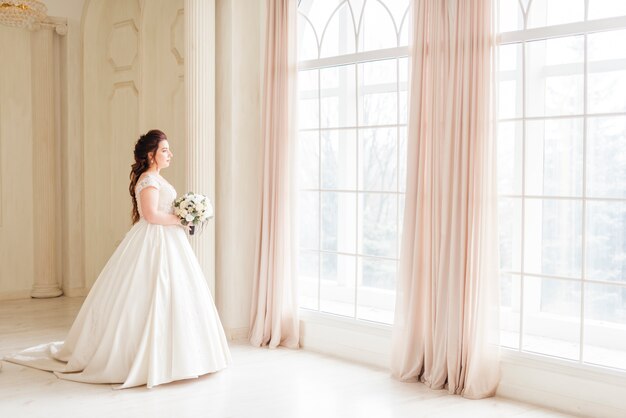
(355,59)
(523,37)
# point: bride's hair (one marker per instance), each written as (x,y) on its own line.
(146,145)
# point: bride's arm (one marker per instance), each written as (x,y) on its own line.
(149,200)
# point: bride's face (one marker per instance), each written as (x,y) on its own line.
(163,155)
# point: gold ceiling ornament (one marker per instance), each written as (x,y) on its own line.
(21,13)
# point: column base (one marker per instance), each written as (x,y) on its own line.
(42,292)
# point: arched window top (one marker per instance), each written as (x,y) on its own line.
(331,28)
(527,14)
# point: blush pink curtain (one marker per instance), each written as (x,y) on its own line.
(274,319)
(446,313)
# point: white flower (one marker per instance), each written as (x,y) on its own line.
(200,207)
(189,217)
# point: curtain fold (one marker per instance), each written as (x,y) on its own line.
(274,311)
(445,331)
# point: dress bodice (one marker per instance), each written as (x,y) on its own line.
(167,193)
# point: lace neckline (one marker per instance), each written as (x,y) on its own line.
(157,177)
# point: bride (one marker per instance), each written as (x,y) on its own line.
(149,318)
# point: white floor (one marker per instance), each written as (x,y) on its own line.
(260,383)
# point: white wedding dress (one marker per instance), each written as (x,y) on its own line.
(149,318)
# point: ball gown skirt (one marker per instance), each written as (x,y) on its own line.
(149,318)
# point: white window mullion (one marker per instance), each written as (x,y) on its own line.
(584,205)
(523,200)
(356,168)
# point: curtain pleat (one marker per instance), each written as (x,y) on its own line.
(274,311)
(445,331)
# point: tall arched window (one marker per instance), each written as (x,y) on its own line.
(352,144)
(562,178)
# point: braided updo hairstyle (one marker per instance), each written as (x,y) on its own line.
(145,149)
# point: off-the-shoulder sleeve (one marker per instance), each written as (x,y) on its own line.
(147,181)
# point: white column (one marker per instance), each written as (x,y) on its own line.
(44,167)
(200,119)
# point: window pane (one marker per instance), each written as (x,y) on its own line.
(601,45)
(555,12)
(606,241)
(510,158)
(377,30)
(606,157)
(510,81)
(308,160)
(599,9)
(402,159)
(339,222)
(403,86)
(551,317)
(378,155)
(308,110)
(552,237)
(401,204)
(308,279)
(554,74)
(377,290)
(404,29)
(607,72)
(308,219)
(511,17)
(378,93)
(318,12)
(307,42)
(339,36)
(554,157)
(509,310)
(398,9)
(378,218)
(510,229)
(339,159)
(338,96)
(337,288)
(605,325)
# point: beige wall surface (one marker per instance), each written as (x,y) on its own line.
(133,82)
(16,179)
(120,73)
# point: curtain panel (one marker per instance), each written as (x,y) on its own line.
(445,331)
(274,310)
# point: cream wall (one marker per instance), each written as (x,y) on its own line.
(133,82)
(71,248)
(120,73)
(17,258)
(16,179)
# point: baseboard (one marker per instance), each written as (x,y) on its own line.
(572,389)
(25,293)
(357,341)
(77,292)
(237,334)
(15,294)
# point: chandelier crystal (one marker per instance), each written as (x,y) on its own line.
(21,13)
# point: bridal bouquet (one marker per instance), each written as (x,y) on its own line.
(194,209)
